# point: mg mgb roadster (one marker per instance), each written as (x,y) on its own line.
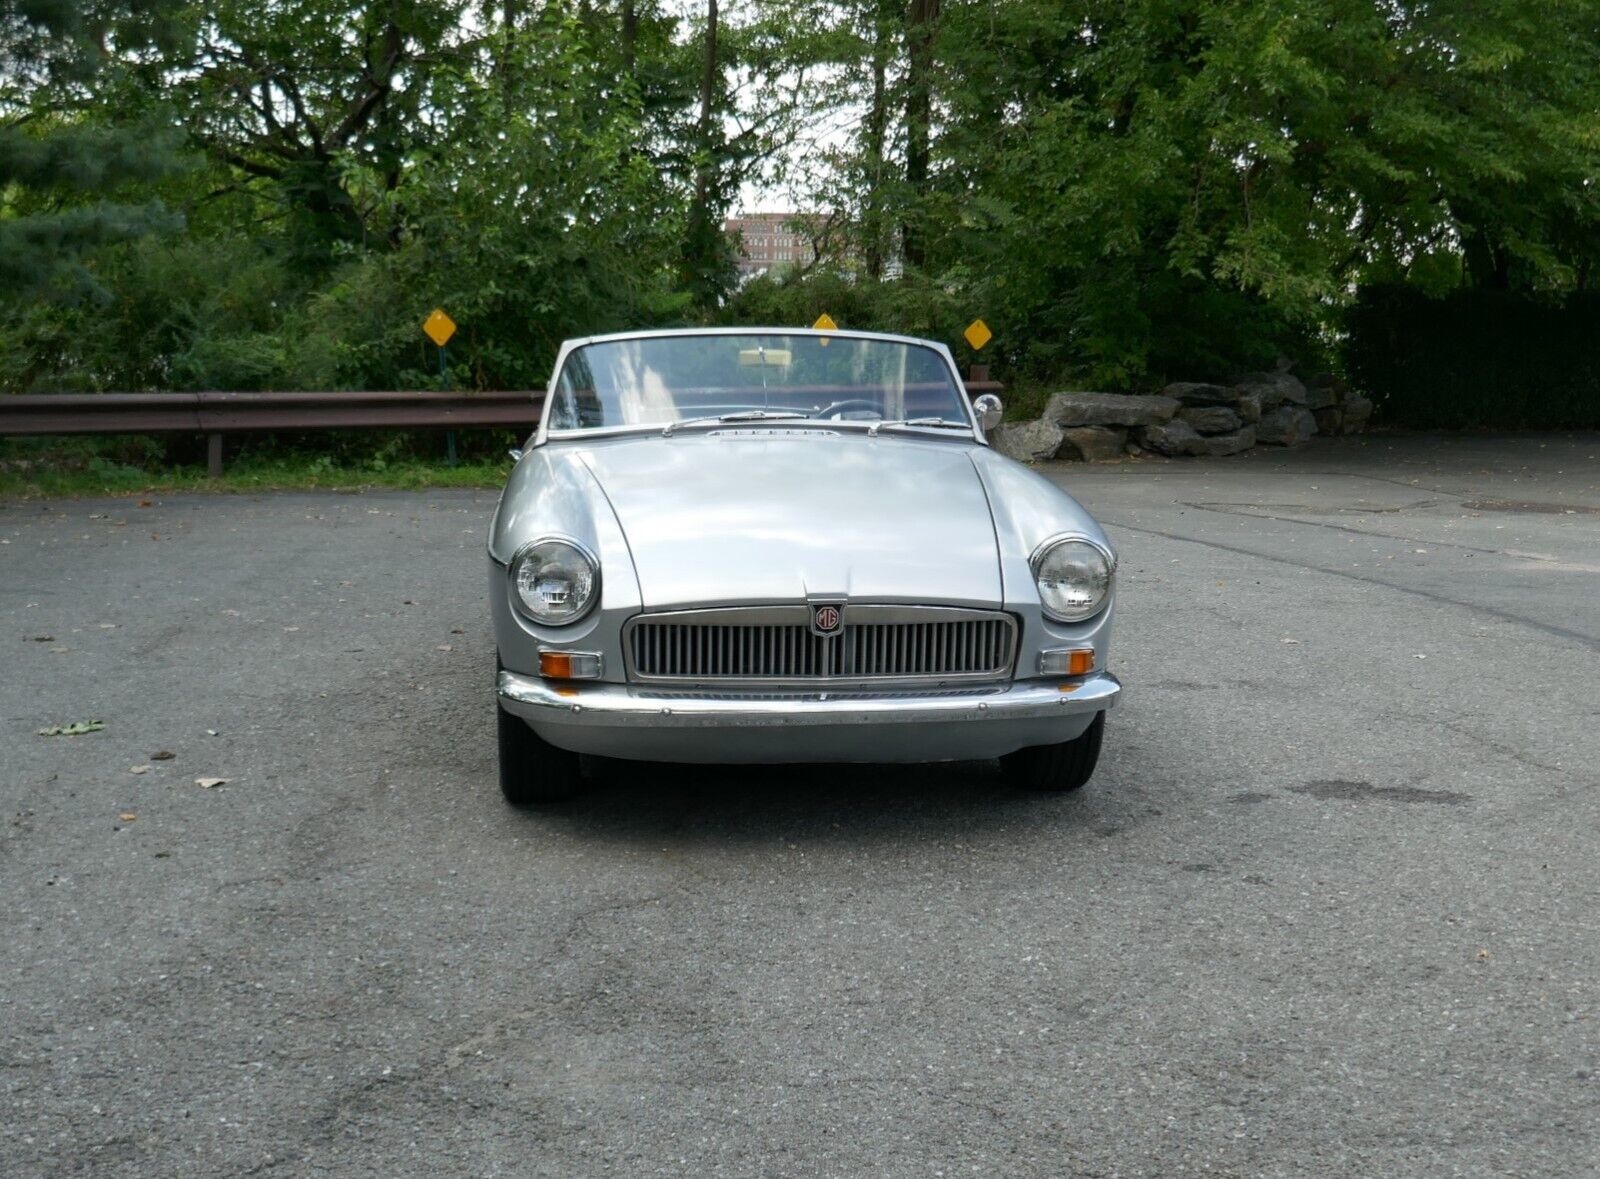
(769,545)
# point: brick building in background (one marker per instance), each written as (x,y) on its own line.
(776,241)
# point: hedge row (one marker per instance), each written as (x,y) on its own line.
(1476,359)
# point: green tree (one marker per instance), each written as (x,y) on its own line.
(1230,172)
(68,161)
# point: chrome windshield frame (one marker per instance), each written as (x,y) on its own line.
(543,434)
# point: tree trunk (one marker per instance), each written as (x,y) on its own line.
(708,81)
(876,127)
(701,246)
(508,41)
(922,20)
(1488,264)
(630,35)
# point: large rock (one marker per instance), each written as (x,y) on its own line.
(1172,438)
(1288,425)
(1244,400)
(1356,409)
(1241,439)
(1323,392)
(1108,409)
(1200,393)
(1093,444)
(1027,442)
(1210,419)
(1274,389)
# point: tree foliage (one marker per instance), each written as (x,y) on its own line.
(71,165)
(274,193)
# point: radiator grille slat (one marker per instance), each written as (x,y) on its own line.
(973,644)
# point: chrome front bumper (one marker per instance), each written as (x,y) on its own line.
(630,721)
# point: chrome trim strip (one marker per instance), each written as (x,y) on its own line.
(610,704)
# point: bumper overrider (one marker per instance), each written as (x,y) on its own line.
(654,724)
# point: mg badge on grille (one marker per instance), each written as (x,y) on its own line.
(826,619)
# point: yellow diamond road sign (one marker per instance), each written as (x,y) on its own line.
(439,327)
(978,334)
(825,323)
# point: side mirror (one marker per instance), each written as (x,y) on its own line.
(989,411)
(515,453)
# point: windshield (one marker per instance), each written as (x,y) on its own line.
(662,380)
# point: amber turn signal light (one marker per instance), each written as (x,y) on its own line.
(569,665)
(1071,661)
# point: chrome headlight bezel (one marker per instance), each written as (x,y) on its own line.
(1048,547)
(531,612)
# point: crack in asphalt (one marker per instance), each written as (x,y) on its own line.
(1242,511)
(1561,632)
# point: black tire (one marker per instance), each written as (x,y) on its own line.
(533,771)
(1057,768)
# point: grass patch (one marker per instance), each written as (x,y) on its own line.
(76,467)
(1026,402)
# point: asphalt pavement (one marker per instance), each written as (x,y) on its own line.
(1331,905)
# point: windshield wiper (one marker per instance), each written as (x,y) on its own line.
(931,423)
(743,415)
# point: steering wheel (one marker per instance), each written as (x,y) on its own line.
(834,409)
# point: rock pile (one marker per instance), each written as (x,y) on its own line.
(1186,418)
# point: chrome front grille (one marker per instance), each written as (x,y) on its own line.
(775,644)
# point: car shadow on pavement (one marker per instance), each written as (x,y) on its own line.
(629,801)
(632,801)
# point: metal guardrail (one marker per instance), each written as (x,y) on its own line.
(218,414)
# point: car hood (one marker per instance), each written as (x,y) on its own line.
(757,516)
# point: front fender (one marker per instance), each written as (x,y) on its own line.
(552,493)
(1028,510)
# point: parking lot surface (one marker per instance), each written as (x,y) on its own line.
(1330,906)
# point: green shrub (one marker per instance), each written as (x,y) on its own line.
(1476,359)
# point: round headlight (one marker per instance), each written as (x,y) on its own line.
(554,582)
(1074,579)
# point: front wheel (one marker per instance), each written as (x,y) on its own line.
(532,770)
(1057,768)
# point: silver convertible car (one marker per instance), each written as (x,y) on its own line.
(769,545)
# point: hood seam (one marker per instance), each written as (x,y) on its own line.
(616,516)
(994,526)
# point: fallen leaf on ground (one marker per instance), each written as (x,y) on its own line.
(163,755)
(144,503)
(127,816)
(75,729)
(1292,643)
(44,638)
(208,783)
(291,628)
(138,769)
(211,732)
(456,630)
(444,647)
(108,626)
